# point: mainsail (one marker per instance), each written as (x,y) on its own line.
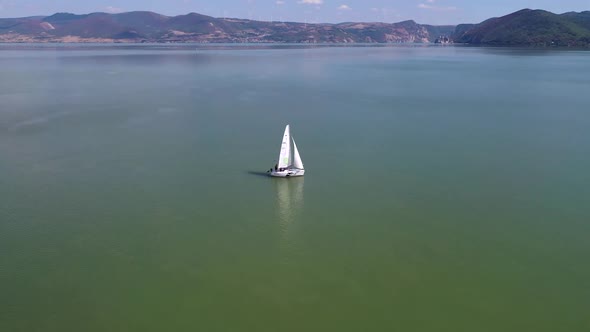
(285,154)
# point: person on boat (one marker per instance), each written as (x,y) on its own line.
(276,166)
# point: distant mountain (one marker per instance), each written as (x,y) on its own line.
(528,28)
(151,27)
(523,28)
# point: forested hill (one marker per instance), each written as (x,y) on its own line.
(528,28)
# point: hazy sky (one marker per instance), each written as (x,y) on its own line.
(422,11)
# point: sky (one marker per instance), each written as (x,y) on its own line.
(311,11)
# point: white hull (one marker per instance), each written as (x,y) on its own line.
(292,172)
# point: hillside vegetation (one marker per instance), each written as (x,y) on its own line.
(529,28)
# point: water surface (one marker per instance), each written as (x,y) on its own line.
(446,189)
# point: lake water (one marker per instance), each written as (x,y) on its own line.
(446,189)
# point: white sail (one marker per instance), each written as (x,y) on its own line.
(285,155)
(297,162)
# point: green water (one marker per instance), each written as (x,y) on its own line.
(446,189)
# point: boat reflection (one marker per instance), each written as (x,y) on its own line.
(289,196)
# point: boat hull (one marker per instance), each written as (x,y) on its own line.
(288,173)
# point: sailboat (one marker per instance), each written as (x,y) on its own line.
(290,163)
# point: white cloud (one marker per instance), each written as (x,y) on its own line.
(344,7)
(311,2)
(113,10)
(436,8)
(280,2)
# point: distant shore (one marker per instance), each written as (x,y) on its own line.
(526,27)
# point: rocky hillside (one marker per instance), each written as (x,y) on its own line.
(152,27)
